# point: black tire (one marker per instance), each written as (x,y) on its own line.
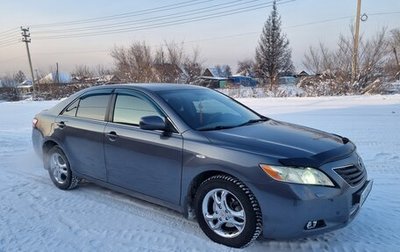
(59,169)
(229,229)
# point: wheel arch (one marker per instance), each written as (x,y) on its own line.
(47,145)
(194,185)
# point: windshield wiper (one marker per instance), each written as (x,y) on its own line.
(262,119)
(219,127)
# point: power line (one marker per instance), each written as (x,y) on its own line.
(318,22)
(71,52)
(124,15)
(383,13)
(9,31)
(8,44)
(8,36)
(185,13)
(164,24)
(10,39)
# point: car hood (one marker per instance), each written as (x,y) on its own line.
(289,143)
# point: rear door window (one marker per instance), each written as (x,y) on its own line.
(91,106)
(71,109)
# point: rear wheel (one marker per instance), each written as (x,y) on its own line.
(59,169)
(227,211)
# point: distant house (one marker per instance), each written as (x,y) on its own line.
(61,77)
(108,79)
(213,77)
(211,72)
(25,87)
(240,80)
(302,74)
(212,82)
(167,72)
(287,80)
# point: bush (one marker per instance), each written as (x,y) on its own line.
(9,94)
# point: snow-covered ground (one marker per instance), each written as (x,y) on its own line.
(35,216)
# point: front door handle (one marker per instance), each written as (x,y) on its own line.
(112,136)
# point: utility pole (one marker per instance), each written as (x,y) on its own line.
(57,74)
(354,66)
(26,38)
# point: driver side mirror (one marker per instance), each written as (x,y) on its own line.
(152,123)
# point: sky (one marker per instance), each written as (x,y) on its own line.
(225,31)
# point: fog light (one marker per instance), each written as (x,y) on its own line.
(311,224)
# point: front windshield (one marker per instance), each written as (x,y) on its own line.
(204,109)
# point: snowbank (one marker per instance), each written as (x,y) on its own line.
(35,216)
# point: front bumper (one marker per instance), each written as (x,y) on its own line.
(289,209)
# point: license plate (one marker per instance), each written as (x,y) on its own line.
(366,192)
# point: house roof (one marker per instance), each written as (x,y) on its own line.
(211,72)
(25,84)
(303,73)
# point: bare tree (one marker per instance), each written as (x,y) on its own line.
(373,56)
(9,90)
(175,53)
(312,60)
(82,71)
(227,71)
(193,66)
(318,59)
(392,67)
(168,62)
(8,81)
(19,77)
(223,71)
(101,70)
(134,63)
(246,67)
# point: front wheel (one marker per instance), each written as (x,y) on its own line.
(59,169)
(227,211)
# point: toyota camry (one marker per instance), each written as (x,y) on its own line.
(202,153)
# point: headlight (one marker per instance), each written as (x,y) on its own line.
(301,175)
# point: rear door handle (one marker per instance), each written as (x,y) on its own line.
(112,136)
(61,124)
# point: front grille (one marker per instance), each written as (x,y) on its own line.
(352,174)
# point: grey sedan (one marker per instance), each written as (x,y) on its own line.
(199,152)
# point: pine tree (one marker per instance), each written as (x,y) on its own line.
(273,55)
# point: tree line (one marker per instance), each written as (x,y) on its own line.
(330,68)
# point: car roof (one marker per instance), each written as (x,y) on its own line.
(151,86)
